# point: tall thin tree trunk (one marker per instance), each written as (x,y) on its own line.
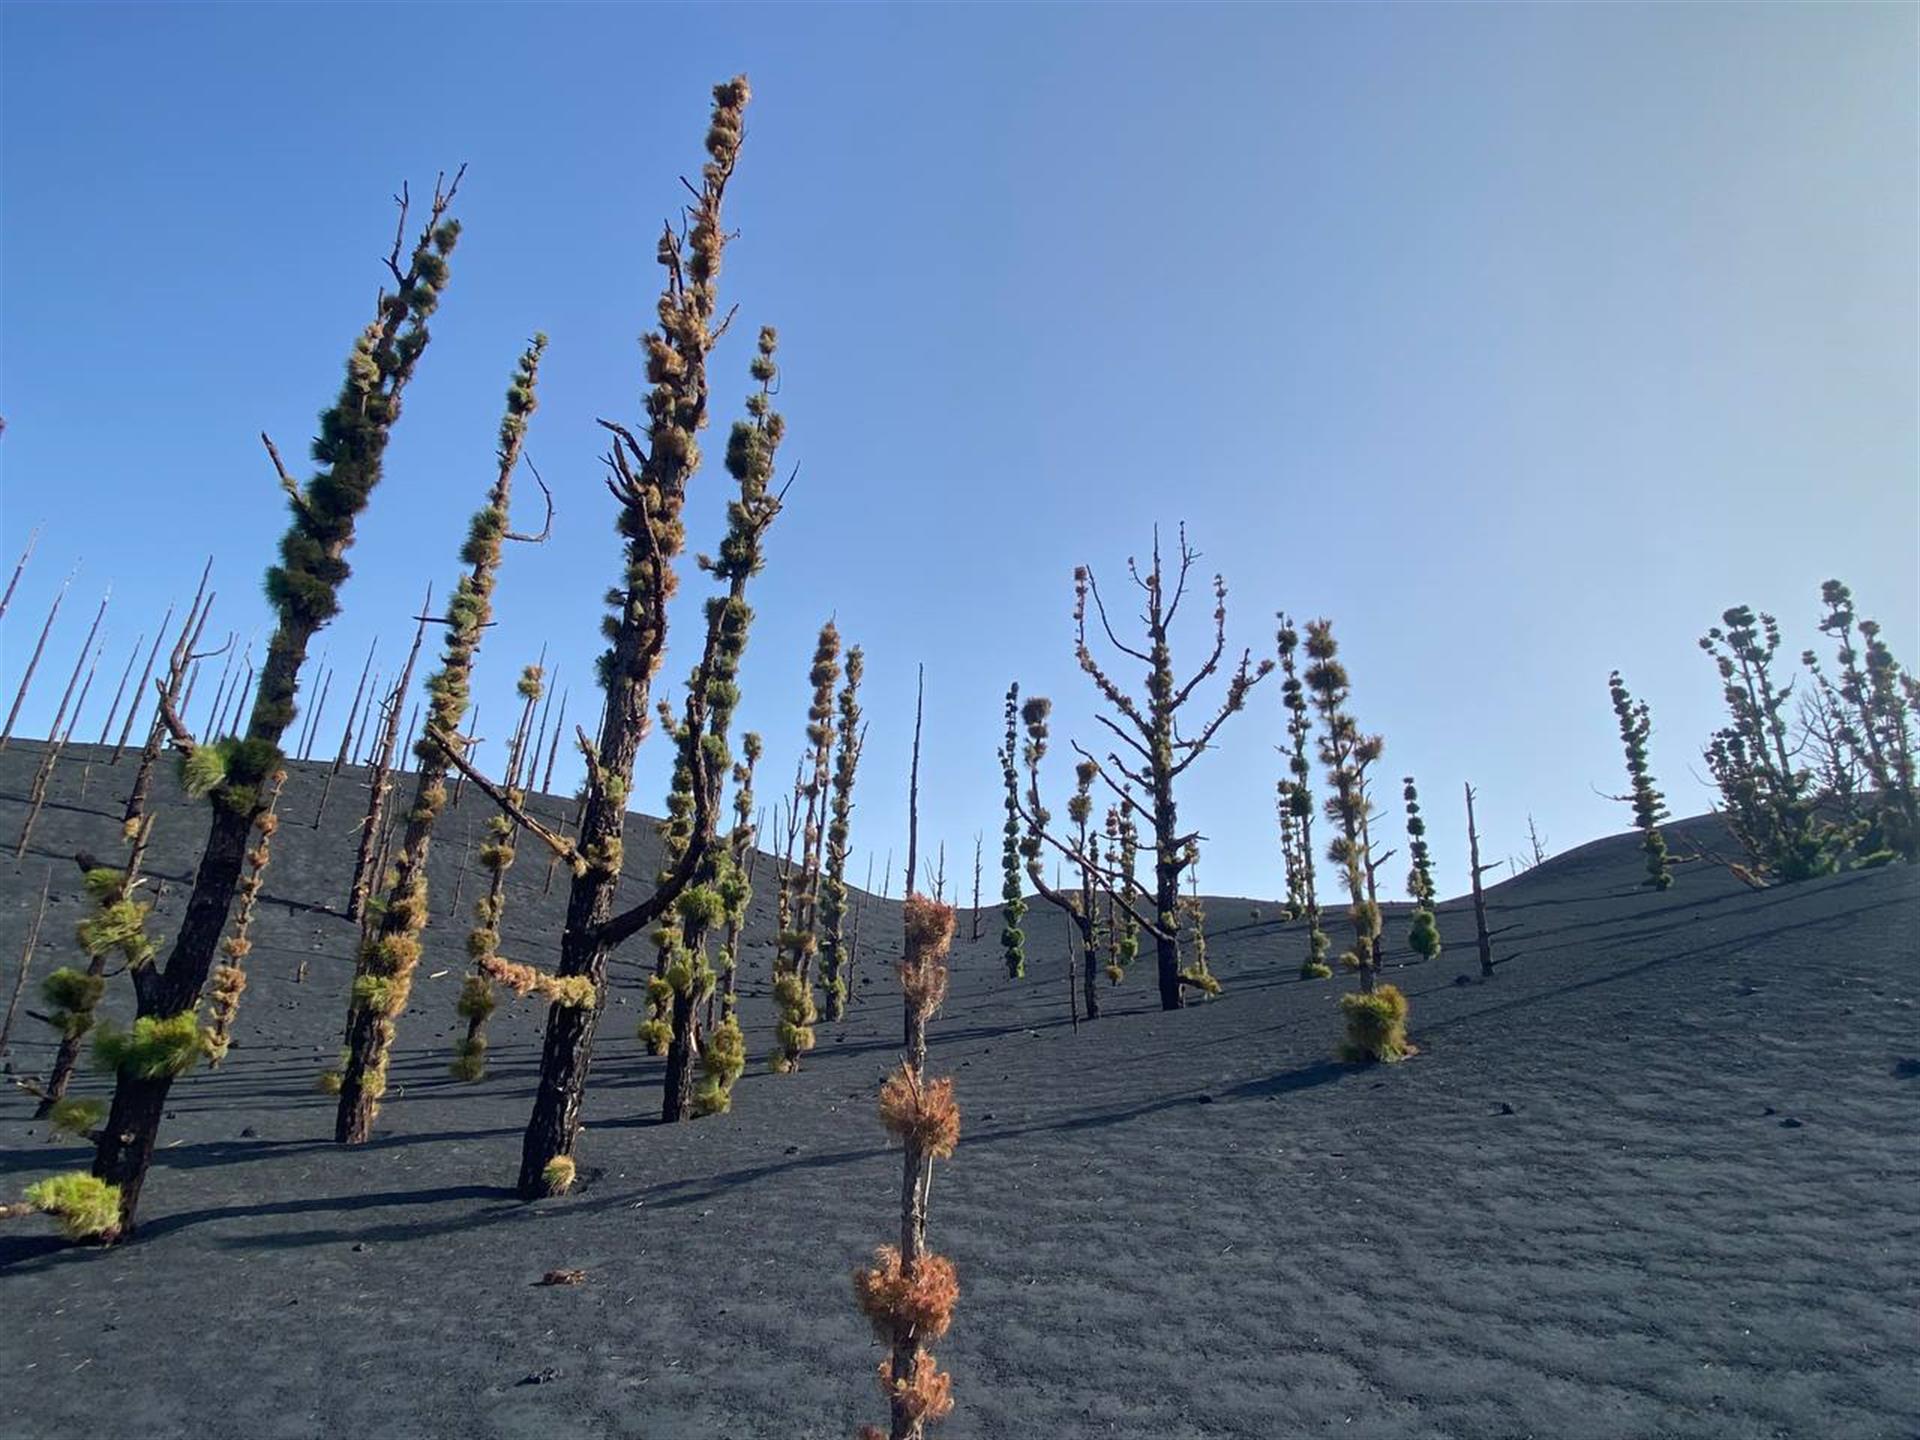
(120,690)
(25,555)
(146,674)
(33,663)
(1479,895)
(56,736)
(380,780)
(33,935)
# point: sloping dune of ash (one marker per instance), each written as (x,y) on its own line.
(1658,1177)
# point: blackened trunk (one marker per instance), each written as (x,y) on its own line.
(124,1151)
(1479,895)
(125,1146)
(680,1056)
(567,1055)
(353,1118)
(1090,969)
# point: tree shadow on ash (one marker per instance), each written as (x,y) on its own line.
(27,1253)
(1699,952)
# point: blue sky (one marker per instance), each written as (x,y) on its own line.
(1521,341)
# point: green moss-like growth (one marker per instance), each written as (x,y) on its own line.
(156,1047)
(202,769)
(793,1001)
(87,1208)
(72,997)
(77,1117)
(723,1058)
(1376,1025)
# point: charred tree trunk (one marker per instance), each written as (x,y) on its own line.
(33,661)
(26,951)
(146,675)
(304,589)
(380,780)
(18,569)
(56,736)
(1484,940)
(650,482)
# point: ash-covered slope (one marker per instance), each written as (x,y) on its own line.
(1655,1178)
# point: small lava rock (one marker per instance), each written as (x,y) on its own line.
(540,1377)
(1463,979)
(1205,1099)
(249,1133)
(563,1277)
(1506,1109)
(1791,1124)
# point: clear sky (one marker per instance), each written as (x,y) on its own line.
(1521,341)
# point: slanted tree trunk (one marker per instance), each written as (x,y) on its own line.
(33,939)
(395,951)
(304,589)
(33,661)
(380,779)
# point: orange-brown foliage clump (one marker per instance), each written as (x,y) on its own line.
(920,1297)
(925,1396)
(921,1113)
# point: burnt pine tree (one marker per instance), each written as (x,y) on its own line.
(1769,800)
(716,893)
(908,1294)
(1122,930)
(1423,935)
(1296,797)
(738,889)
(1013,902)
(1874,695)
(1649,808)
(387,961)
(798,940)
(649,480)
(1483,937)
(1154,752)
(1376,1016)
(477,1000)
(303,588)
(1075,903)
(833,884)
